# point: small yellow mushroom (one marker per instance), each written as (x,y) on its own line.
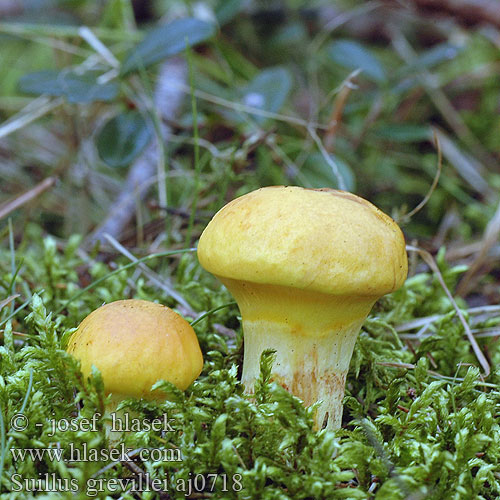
(135,343)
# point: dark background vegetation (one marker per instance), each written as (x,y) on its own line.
(125,125)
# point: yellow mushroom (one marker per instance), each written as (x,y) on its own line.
(135,343)
(305,267)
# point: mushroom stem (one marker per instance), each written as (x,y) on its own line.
(112,436)
(114,433)
(313,349)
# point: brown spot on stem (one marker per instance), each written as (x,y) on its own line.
(311,387)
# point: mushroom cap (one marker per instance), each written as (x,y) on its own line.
(319,240)
(135,343)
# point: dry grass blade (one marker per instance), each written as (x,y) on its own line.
(428,259)
(327,157)
(490,237)
(8,300)
(243,108)
(160,283)
(107,56)
(31,112)
(411,366)
(477,314)
(467,167)
(332,19)
(24,198)
(427,197)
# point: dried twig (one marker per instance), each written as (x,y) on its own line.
(168,97)
(347,86)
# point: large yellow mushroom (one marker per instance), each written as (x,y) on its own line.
(305,267)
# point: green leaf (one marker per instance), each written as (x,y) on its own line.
(352,55)
(167,41)
(268,90)
(76,88)
(403,132)
(123,138)
(227,10)
(318,173)
(437,55)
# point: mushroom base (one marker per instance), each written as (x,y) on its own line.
(312,368)
(112,414)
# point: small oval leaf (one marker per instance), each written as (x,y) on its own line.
(317,173)
(268,90)
(167,41)
(123,138)
(352,55)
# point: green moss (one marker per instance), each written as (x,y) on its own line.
(420,431)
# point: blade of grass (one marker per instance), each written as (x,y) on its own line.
(440,99)
(489,239)
(427,197)
(35,109)
(327,157)
(194,114)
(20,308)
(208,313)
(53,30)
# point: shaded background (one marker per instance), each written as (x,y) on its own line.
(347,94)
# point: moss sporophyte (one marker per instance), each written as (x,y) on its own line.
(305,267)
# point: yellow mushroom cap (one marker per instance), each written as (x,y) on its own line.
(135,343)
(318,240)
